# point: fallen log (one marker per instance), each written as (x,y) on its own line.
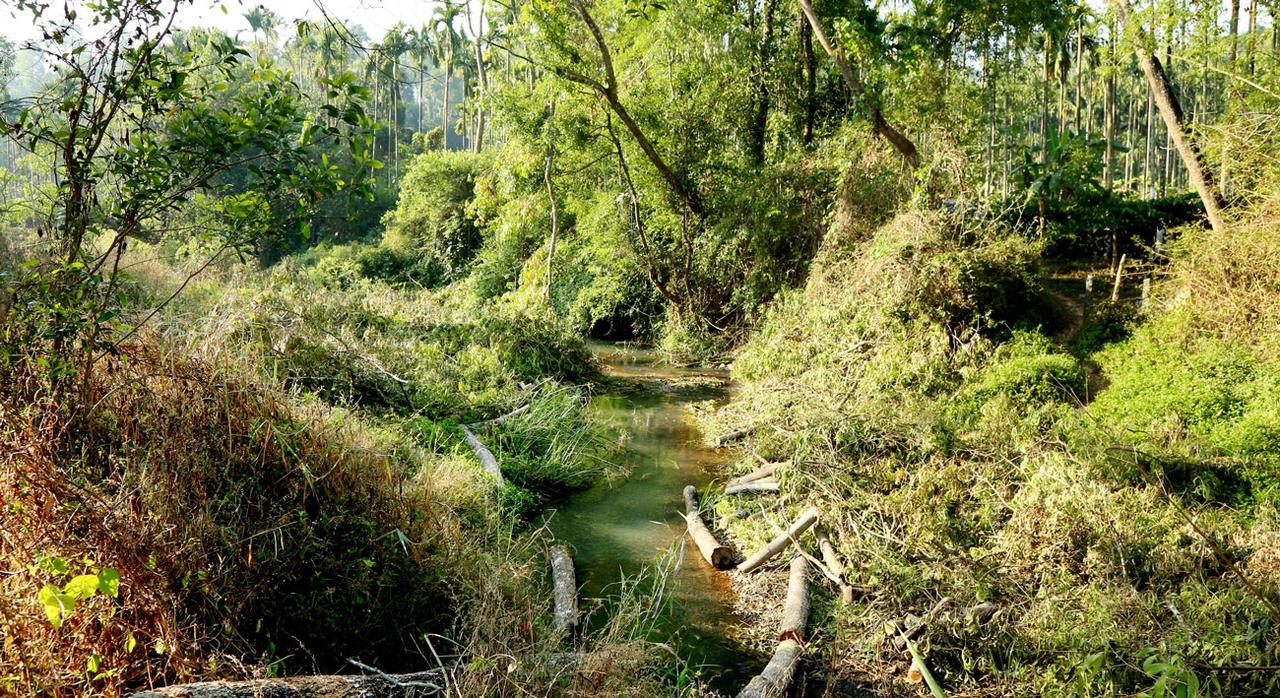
(760,473)
(354,686)
(487,460)
(720,556)
(795,613)
(832,560)
(775,546)
(769,485)
(566,591)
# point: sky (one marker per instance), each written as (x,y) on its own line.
(376,16)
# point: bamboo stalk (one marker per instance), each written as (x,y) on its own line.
(758,474)
(776,677)
(832,560)
(720,556)
(775,546)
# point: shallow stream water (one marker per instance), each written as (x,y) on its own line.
(620,529)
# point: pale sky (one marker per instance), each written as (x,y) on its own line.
(376,16)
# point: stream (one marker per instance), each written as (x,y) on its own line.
(619,529)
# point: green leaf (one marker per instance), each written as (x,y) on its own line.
(130,642)
(82,586)
(109,582)
(56,604)
(93,664)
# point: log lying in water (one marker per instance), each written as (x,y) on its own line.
(487,460)
(769,485)
(376,686)
(773,681)
(566,591)
(760,473)
(720,556)
(775,546)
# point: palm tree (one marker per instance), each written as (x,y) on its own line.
(421,51)
(446,42)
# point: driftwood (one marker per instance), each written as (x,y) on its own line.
(832,560)
(487,460)
(775,546)
(773,681)
(566,591)
(760,473)
(375,686)
(769,485)
(720,556)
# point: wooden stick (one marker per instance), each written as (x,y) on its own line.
(769,485)
(758,474)
(566,591)
(832,561)
(1115,290)
(723,439)
(775,546)
(487,461)
(773,681)
(720,556)
(795,613)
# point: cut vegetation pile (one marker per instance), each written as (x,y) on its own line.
(1121,545)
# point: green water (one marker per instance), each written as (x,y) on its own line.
(621,529)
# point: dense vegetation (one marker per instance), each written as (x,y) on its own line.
(999,280)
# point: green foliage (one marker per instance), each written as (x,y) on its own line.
(433,218)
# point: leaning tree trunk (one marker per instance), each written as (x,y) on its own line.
(882,127)
(1171,112)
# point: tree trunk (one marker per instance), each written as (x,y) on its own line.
(555,219)
(1234,22)
(483,454)
(776,677)
(444,111)
(1109,109)
(900,142)
(1171,112)
(760,114)
(810,79)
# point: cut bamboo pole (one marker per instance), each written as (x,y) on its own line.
(773,681)
(720,556)
(760,473)
(1115,290)
(375,686)
(776,677)
(487,461)
(775,546)
(566,591)
(832,560)
(769,485)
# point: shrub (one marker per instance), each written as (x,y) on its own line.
(432,219)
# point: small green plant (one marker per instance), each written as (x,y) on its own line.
(59,601)
(1172,677)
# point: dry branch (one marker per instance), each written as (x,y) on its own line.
(775,546)
(566,591)
(487,460)
(720,556)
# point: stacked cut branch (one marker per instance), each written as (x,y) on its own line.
(566,591)
(720,556)
(773,681)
